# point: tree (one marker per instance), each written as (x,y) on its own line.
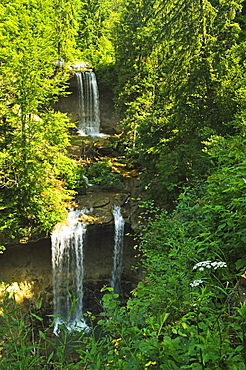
(66,27)
(95,36)
(33,137)
(183,90)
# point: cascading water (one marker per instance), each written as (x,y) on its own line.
(89,123)
(118,249)
(67,243)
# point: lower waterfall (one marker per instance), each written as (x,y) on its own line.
(67,242)
(118,249)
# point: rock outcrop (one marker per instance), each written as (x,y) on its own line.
(70,104)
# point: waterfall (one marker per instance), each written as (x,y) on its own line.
(67,243)
(118,249)
(89,123)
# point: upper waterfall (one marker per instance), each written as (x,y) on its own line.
(89,123)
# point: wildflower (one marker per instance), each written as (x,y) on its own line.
(116,341)
(150,363)
(196,283)
(218,264)
(202,264)
(209,264)
(109,362)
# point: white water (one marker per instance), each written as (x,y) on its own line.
(67,243)
(89,123)
(118,249)
(87,183)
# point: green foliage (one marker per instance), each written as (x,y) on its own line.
(17,350)
(101,174)
(36,177)
(95,33)
(35,173)
(224,204)
(27,343)
(66,27)
(68,171)
(180,80)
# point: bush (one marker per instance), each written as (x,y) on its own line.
(100,173)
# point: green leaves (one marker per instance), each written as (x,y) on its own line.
(179,81)
(224,200)
(101,173)
(33,138)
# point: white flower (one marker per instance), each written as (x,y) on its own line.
(209,265)
(202,264)
(196,283)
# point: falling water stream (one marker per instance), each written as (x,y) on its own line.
(67,243)
(118,249)
(89,123)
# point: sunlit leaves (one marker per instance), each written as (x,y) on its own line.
(32,136)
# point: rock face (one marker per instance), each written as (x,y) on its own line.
(100,204)
(26,270)
(109,118)
(70,105)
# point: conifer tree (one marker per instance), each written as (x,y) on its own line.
(182,86)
